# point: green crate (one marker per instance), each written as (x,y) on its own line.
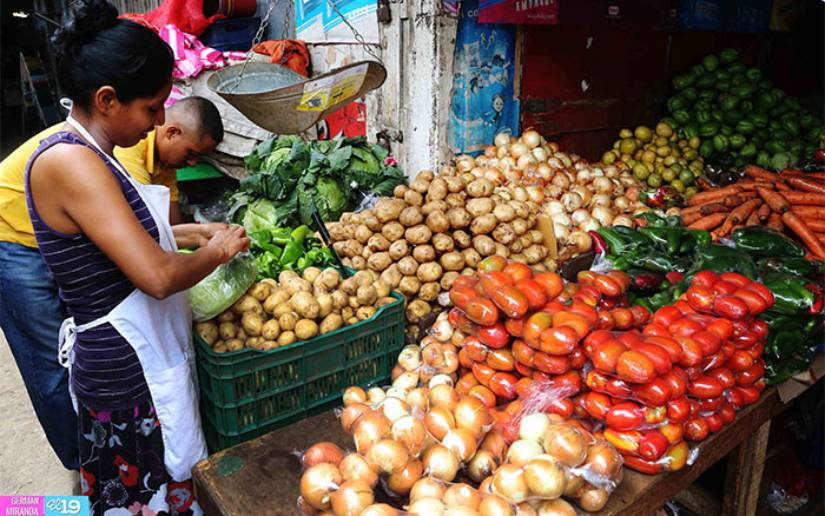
(249,392)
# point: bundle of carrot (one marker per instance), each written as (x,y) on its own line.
(791,200)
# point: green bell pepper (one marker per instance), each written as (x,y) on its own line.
(764,241)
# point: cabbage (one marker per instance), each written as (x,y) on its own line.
(225,285)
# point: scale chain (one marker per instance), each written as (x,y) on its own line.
(257,39)
(358,37)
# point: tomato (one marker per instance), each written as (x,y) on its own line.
(655,393)
(458,319)
(536,323)
(756,304)
(524,386)
(653,445)
(575,320)
(465,281)
(749,393)
(483,372)
(714,422)
(708,342)
(607,286)
(705,279)
(763,291)
(476,350)
(577,358)
(484,395)
(605,355)
(684,327)
(744,342)
(722,328)
(598,382)
(710,405)
(740,360)
(495,336)
(523,353)
(724,376)
(730,307)
(588,295)
(551,364)
(501,360)
(735,278)
(704,387)
(492,263)
(461,296)
(625,416)
(726,413)
(515,327)
(553,283)
(482,311)
(559,340)
(640,315)
(464,359)
(673,432)
(625,442)
(657,356)
(756,350)
(622,318)
(760,385)
(718,359)
(700,298)
(696,429)
(518,271)
(750,376)
(621,277)
(684,308)
(586,277)
(510,301)
(691,352)
(759,328)
(693,372)
(570,381)
(596,337)
(678,410)
(666,315)
(561,407)
(524,370)
(536,297)
(656,329)
(634,367)
(724,288)
(735,398)
(629,338)
(605,321)
(676,380)
(645,467)
(465,383)
(503,385)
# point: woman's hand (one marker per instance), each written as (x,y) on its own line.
(228,241)
(196,235)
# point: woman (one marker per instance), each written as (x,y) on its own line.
(107,241)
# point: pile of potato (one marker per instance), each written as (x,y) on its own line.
(273,313)
(436,228)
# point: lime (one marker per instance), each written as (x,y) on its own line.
(643,133)
(686,177)
(626,158)
(662,129)
(627,146)
(678,185)
(690,155)
(648,156)
(616,144)
(654,181)
(690,191)
(625,133)
(640,172)
(668,175)
(670,160)
(695,142)
(676,168)
(660,142)
(663,151)
(608,158)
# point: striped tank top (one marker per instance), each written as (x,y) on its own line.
(106,374)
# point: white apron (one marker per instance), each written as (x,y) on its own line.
(160,332)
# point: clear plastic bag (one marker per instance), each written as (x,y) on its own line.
(222,287)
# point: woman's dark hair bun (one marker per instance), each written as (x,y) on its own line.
(89,19)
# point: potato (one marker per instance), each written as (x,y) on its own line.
(456,200)
(525,241)
(536,237)
(226,316)
(434,206)
(480,188)
(420,185)
(429,291)
(417,235)
(270,330)
(484,245)
(384,301)
(393,231)
(535,253)
(428,272)
(366,254)
(379,261)
(504,233)
(372,222)
(449,278)
(337,231)
(381,289)
(407,266)
(417,310)
(504,212)
(358,263)
(411,216)
(516,246)
(452,261)
(400,190)
(348,217)
(522,210)
(208,331)
(443,243)
(454,184)
(462,239)
(426,175)
(502,250)
(306,329)
(295,285)
(392,276)
(241,335)
(409,285)
(287,321)
(247,303)
(219,347)
(254,343)
(283,308)
(311,274)
(252,324)
(378,243)
(234,345)
(305,305)
(260,291)
(341,248)
(329,278)
(520,226)
(413,198)
(366,295)
(330,323)
(362,234)
(459,218)
(483,225)
(424,253)
(286,338)
(472,257)
(276,297)
(269,345)
(325,304)
(365,278)
(468,271)
(350,286)
(365,312)
(347,313)
(339,299)
(388,210)
(399,249)
(438,189)
(353,303)
(480,206)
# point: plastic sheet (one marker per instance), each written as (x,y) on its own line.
(222,287)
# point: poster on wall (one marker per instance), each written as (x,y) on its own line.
(451,7)
(484,99)
(349,121)
(528,12)
(319,21)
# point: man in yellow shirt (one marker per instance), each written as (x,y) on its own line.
(30,307)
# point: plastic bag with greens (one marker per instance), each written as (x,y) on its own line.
(225,285)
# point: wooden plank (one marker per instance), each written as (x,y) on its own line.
(699,500)
(744,473)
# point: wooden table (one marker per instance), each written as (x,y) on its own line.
(260,477)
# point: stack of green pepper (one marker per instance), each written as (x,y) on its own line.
(280,249)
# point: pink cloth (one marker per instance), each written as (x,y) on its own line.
(175,95)
(192,56)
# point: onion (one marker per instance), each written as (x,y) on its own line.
(477,172)
(481,466)
(418,399)
(554,207)
(611,171)
(380,509)
(489,151)
(592,499)
(451,363)
(440,463)
(603,460)
(396,372)
(621,203)
(354,395)
(524,161)
(402,481)
(461,495)
(535,194)
(395,409)
(584,175)
(556,163)
(531,138)
(494,175)
(603,214)
(571,201)
(574,483)
(632,194)
(443,396)
(351,414)
(580,216)
(557,507)
(603,185)
(387,456)
(397,392)
(460,511)
(590,224)
(322,452)
(410,358)
(600,199)
(509,483)
(507,162)
(472,414)
(520,194)
(562,218)
(439,421)
(544,171)
(565,159)
(427,487)
(674,211)
(522,451)
(525,509)
(492,505)
(540,154)
(533,426)
(440,379)
(518,150)
(410,432)
(623,220)
(502,139)
(580,240)
(406,381)
(432,354)
(561,180)
(562,231)
(352,498)
(583,192)
(544,477)
(369,430)
(426,507)
(597,172)
(355,467)
(376,395)
(494,443)
(461,442)
(503,152)
(318,483)
(566,444)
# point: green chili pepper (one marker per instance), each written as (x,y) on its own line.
(616,243)
(789,292)
(632,236)
(766,242)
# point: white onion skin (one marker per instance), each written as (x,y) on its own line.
(318,483)
(351,498)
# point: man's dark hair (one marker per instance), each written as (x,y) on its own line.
(202,114)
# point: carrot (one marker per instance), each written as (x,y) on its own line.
(775,200)
(789,172)
(741,213)
(764,212)
(809,185)
(815,224)
(817,175)
(736,200)
(807,198)
(713,195)
(782,187)
(809,212)
(804,233)
(775,221)
(753,220)
(713,207)
(690,218)
(703,183)
(758,172)
(709,222)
